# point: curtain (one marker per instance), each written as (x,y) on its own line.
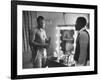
(29,22)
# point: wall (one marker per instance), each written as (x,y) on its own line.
(5,40)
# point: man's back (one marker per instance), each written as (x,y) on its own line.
(82,47)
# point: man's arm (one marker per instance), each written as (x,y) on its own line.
(42,45)
(83,48)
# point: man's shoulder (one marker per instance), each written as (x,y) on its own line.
(84,34)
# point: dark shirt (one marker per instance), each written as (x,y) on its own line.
(82,48)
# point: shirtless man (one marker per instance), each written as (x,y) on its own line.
(40,44)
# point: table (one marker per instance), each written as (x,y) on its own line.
(54,63)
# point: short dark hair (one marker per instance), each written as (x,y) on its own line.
(40,18)
(81,22)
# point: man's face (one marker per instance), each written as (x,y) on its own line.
(41,23)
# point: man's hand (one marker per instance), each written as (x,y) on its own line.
(48,40)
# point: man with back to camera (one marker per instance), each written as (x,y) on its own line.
(81,56)
(40,44)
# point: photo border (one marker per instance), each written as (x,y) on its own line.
(14,64)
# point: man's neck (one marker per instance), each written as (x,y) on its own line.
(40,28)
(81,29)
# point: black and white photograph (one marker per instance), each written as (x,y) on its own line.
(54,39)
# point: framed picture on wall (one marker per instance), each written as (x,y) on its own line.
(53,39)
